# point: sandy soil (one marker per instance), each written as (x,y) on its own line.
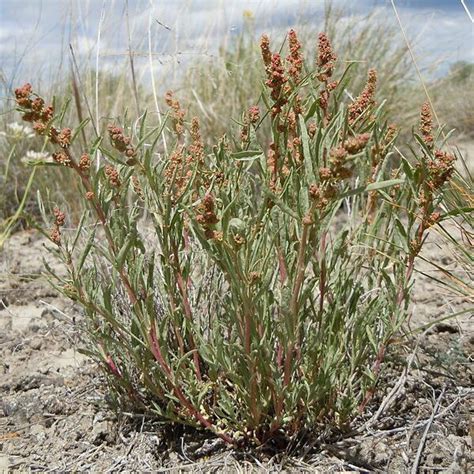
(54,415)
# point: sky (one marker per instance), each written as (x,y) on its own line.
(35,34)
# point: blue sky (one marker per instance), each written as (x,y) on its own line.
(35,34)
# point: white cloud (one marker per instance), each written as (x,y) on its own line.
(197,28)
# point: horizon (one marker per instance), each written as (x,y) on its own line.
(38,40)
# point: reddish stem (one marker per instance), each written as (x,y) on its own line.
(156,351)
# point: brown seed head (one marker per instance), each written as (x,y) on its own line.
(276,78)
(196,148)
(254,277)
(47,113)
(356,144)
(23,92)
(426,124)
(265,49)
(112,176)
(55,236)
(33,109)
(59,217)
(121,142)
(338,154)
(61,158)
(314,191)
(85,162)
(37,104)
(431,220)
(312,127)
(39,128)
(137,188)
(178,113)
(365,99)
(254,114)
(325,174)
(326,58)
(294,59)
(64,137)
(440,169)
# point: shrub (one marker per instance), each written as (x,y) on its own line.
(18,181)
(250,290)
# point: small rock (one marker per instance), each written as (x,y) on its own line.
(9,408)
(36,429)
(36,343)
(30,382)
(101,433)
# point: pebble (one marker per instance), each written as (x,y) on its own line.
(36,343)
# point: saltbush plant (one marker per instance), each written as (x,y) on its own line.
(252,290)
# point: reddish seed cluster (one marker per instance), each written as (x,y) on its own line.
(294,146)
(64,137)
(244,133)
(337,160)
(265,49)
(294,59)
(254,114)
(439,166)
(251,117)
(121,142)
(312,128)
(330,176)
(34,109)
(325,174)
(272,164)
(183,161)
(293,142)
(196,148)
(365,99)
(440,169)
(59,218)
(60,137)
(326,58)
(112,176)
(321,194)
(239,240)
(206,216)
(357,143)
(426,125)
(379,151)
(137,187)
(22,95)
(85,162)
(276,81)
(62,158)
(326,62)
(178,113)
(431,220)
(176,174)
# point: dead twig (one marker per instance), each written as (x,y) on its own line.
(421,446)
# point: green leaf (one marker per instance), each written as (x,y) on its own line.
(86,251)
(122,255)
(457,212)
(247,155)
(79,128)
(372,187)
